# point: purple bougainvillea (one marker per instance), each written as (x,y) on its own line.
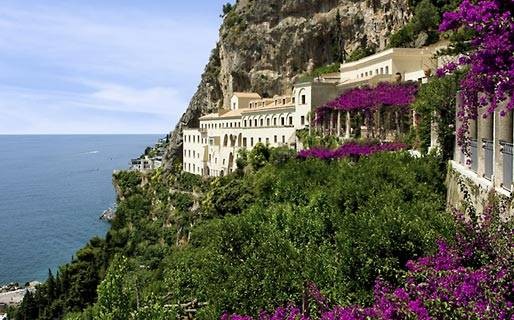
(351,149)
(471,279)
(366,99)
(489,83)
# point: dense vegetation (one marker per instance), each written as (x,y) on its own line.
(261,237)
(423,27)
(471,279)
(252,239)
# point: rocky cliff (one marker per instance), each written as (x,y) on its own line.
(265,44)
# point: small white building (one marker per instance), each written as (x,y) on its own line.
(411,64)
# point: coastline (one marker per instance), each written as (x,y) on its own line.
(12,294)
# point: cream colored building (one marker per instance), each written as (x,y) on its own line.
(212,149)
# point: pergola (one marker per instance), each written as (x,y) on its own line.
(372,112)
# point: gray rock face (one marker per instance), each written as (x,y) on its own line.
(265,44)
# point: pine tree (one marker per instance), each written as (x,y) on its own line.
(338,41)
(50,286)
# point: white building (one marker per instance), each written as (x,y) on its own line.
(411,64)
(212,149)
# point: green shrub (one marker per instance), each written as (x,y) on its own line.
(335,223)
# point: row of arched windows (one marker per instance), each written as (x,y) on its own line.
(268,121)
(215,125)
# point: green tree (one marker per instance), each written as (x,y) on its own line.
(436,102)
(259,156)
(227,7)
(114,301)
(426,17)
(338,40)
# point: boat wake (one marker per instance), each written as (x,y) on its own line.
(91,152)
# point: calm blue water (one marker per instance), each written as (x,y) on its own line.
(52,191)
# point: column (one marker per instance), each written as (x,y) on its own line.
(473,133)
(434,131)
(485,134)
(457,155)
(331,123)
(338,123)
(348,125)
(310,123)
(378,124)
(502,133)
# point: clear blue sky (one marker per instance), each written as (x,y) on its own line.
(101,66)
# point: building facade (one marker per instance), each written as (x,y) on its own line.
(212,148)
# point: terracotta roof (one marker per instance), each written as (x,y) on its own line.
(210,116)
(269,107)
(232,113)
(228,114)
(252,95)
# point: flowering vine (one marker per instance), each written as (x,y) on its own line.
(471,279)
(489,83)
(366,99)
(350,149)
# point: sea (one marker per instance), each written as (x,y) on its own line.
(53,189)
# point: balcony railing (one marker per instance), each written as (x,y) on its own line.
(488,152)
(506,150)
(474,155)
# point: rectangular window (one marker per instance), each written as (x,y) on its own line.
(245,123)
(275,139)
(283,139)
(262,122)
(302,120)
(260,140)
(290,121)
(282,121)
(303,99)
(267,122)
(267,140)
(387,70)
(251,142)
(255,122)
(244,142)
(293,100)
(275,122)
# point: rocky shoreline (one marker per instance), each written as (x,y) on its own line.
(108,215)
(12,294)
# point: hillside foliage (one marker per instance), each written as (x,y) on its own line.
(252,239)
